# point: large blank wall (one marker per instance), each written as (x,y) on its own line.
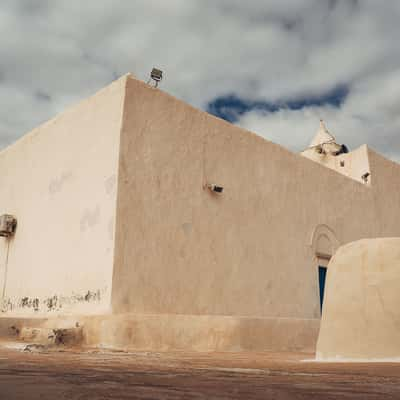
(181,249)
(60,182)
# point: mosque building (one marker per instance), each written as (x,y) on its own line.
(158,226)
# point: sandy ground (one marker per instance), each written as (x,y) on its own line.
(93,374)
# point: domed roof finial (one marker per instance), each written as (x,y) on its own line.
(322,136)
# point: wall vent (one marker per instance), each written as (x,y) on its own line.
(8,225)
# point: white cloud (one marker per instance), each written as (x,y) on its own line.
(56,52)
(370,114)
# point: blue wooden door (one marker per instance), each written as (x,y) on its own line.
(322,278)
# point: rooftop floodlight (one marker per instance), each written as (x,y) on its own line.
(156,75)
(365,177)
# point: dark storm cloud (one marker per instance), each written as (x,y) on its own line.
(232,107)
(275,52)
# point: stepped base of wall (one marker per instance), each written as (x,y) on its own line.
(170,332)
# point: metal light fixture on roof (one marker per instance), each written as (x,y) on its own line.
(365,177)
(156,75)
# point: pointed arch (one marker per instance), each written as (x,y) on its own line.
(324,242)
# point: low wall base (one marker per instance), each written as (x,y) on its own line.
(202,333)
(181,332)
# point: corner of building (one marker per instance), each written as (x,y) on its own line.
(69,220)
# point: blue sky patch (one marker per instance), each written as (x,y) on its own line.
(231,107)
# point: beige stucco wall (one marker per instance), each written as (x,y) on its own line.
(60,181)
(361,308)
(248,252)
(165,332)
(134,159)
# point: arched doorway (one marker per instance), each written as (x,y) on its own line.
(324,244)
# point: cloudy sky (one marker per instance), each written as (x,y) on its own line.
(272,66)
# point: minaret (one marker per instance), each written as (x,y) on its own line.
(324,150)
(322,136)
(323,144)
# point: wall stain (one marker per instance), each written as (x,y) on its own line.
(29,303)
(110,184)
(90,218)
(57,184)
(53,303)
